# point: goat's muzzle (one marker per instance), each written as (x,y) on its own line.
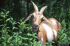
(35,27)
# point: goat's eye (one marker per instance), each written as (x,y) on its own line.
(32,16)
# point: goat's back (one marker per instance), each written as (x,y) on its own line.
(55,23)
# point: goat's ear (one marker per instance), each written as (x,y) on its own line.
(28,18)
(35,7)
(42,9)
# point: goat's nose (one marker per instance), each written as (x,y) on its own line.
(34,25)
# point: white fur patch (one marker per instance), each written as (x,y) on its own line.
(53,21)
(55,33)
(42,39)
(49,32)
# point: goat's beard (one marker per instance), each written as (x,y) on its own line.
(35,29)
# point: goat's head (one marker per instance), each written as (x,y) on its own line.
(37,16)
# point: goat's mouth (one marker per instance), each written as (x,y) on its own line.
(35,28)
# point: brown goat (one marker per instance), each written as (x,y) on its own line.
(48,29)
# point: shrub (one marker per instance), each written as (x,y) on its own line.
(22,35)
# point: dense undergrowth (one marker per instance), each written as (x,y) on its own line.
(14,34)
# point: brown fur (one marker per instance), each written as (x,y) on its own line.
(42,33)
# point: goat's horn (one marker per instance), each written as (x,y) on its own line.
(42,9)
(35,7)
(28,18)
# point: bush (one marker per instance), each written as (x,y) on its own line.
(10,35)
(22,35)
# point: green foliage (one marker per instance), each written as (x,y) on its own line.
(14,34)
(64,34)
(50,43)
(24,36)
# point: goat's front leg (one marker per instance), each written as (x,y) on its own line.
(40,37)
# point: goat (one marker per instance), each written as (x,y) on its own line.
(48,29)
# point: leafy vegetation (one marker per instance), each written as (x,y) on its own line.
(14,34)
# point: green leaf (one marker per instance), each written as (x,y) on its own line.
(2,25)
(4,38)
(30,39)
(2,13)
(8,27)
(10,38)
(24,38)
(7,12)
(13,28)
(7,19)
(3,16)
(14,22)
(29,34)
